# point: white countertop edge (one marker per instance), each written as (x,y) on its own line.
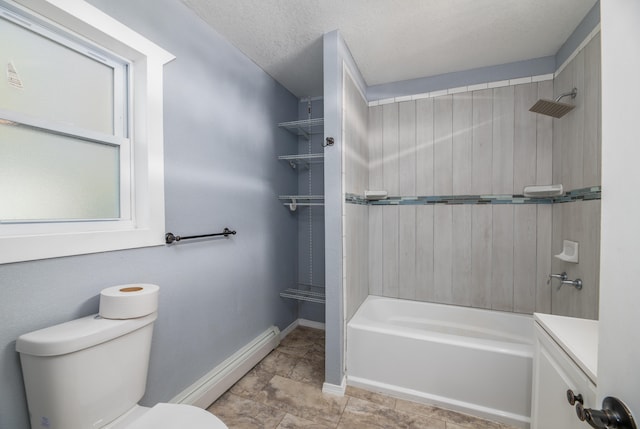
(577,337)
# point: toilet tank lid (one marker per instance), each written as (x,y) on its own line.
(78,334)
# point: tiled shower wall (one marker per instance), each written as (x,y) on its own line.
(487,142)
(477,143)
(355,180)
(469,143)
(577,147)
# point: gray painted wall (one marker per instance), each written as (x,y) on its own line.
(336,56)
(588,23)
(221,144)
(533,67)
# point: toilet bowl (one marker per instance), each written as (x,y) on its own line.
(168,416)
(91,373)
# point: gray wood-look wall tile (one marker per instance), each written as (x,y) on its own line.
(390,149)
(390,254)
(481,256)
(424,147)
(503,135)
(578,221)
(557,266)
(544,138)
(563,83)
(592,147)
(407,148)
(462,281)
(356,262)
(502,258)
(442,132)
(376,259)
(576,163)
(576,121)
(474,143)
(461,143)
(599,120)
(524,145)
(443,253)
(566,297)
(356,152)
(589,271)
(524,258)
(543,259)
(407,253)
(425,289)
(375,148)
(355,179)
(482,151)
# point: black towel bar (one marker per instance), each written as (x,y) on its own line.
(170,237)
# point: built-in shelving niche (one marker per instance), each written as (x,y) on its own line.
(304,128)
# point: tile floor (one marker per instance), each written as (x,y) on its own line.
(284,391)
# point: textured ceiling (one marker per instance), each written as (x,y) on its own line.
(391,40)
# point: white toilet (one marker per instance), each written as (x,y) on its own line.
(91,372)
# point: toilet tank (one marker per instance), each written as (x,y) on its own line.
(85,373)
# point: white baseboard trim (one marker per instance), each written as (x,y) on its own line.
(207,389)
(301,322)
(334,389)
(286,331)
(311,324)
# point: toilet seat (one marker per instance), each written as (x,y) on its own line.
(176,416)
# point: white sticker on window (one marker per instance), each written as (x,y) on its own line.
(12,76)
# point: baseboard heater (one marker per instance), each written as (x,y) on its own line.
(207,389)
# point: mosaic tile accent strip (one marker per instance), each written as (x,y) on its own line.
(586,194)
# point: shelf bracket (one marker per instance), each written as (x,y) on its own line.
(293,205)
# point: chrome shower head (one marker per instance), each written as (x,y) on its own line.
(555,108)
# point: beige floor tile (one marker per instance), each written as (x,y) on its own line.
(364,414)
(284,391)
(459,419)
(315,352)
(309,371)
(377,398)
(252,383)
(302,400)
(293,422)
(479,426)
(303,334)
(241,413)
(278,363)
(297,349)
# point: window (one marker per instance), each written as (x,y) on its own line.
(80,164)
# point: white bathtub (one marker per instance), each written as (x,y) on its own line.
(474,361)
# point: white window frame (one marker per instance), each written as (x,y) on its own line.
(142,223)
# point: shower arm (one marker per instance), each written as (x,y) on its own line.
(573,94)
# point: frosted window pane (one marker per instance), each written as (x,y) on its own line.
(57,83)
(45,176)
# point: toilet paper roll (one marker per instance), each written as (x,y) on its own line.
(128,301)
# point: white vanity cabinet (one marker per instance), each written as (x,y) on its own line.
(565,357)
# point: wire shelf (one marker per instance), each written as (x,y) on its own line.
(305,128)
(304,159)
(304,295)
